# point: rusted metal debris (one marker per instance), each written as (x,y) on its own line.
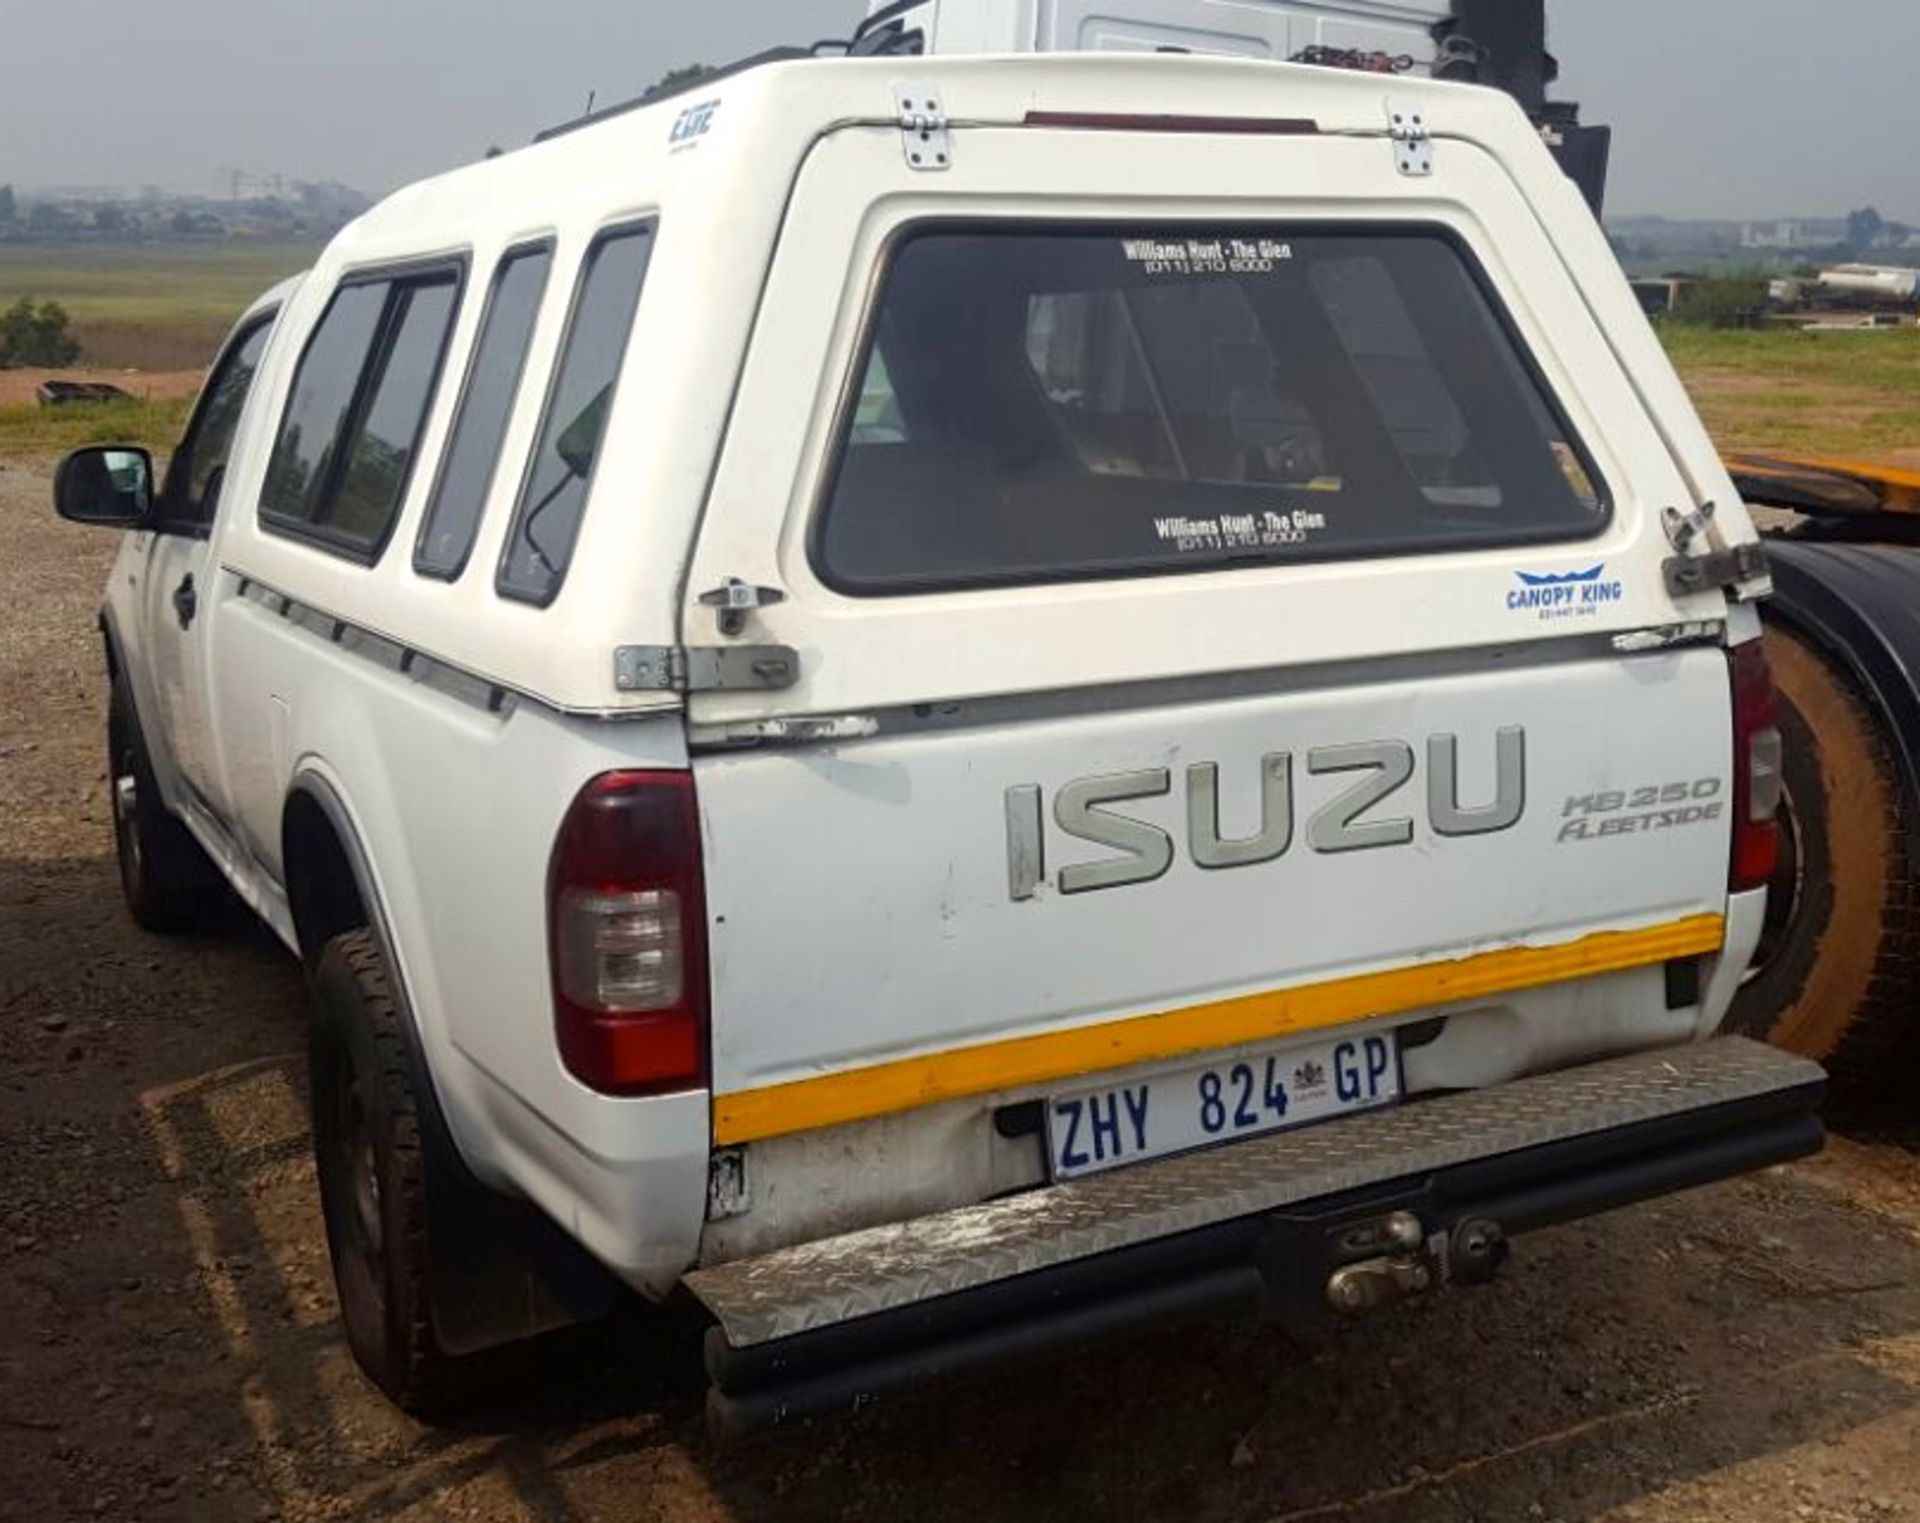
(68,393)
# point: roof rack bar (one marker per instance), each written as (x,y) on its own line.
(666,92)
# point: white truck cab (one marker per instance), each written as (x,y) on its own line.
(953,700)
(1395,36)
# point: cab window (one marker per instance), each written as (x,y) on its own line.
(199,466)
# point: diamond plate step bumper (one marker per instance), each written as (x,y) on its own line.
(814,1325)
(817,1284)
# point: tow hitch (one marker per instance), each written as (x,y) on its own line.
(1382,1278)
(1396,1259)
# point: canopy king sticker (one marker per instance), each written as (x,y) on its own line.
(1569,595)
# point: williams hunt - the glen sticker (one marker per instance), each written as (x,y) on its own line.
(1206,256)
(1569,595)
(1240,531)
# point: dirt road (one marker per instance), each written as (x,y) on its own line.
(168,1347)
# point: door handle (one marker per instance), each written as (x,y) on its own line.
(185,600)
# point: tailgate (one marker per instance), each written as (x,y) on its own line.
(1219,551)
(961,910)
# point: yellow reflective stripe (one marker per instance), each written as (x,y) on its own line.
(877,1090)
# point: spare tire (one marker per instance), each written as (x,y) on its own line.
(1837,976)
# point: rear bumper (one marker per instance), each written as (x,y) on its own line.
(1263,1223)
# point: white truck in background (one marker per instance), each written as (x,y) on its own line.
(1211,751)
(1274,31)
(1498,43)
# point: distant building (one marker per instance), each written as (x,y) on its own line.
(1778,235)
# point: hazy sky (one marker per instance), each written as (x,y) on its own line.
(1727,108)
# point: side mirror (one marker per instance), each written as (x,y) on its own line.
(110,485)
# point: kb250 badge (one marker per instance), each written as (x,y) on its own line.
(1630,811)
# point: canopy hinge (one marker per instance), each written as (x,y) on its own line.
(1704,560)
(703,668)
(923,127)
(1407,127)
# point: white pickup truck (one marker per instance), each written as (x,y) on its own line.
(956,702)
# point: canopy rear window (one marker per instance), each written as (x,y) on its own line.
(1068,403)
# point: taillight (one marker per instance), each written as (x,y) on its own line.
(627,934)
(1756,768)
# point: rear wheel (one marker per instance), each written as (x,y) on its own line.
(369,1154)
(169,884)
(1837,975)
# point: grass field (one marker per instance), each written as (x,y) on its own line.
(147,306)
(1848,394)
(33,430)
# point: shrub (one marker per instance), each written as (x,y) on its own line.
(1724,301)
(31,335)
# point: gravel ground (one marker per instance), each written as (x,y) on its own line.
(168,1347)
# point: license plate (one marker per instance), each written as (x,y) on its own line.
(1094,1129)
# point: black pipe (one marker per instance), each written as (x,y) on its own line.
(1047,1293)
(1510,37)
(850,1387)
(1551,1202)
(1466,1184)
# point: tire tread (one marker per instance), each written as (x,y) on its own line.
(1881,1034)
(419,1376)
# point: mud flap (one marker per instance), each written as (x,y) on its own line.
(502,1271)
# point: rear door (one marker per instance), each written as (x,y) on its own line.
(1204,574)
